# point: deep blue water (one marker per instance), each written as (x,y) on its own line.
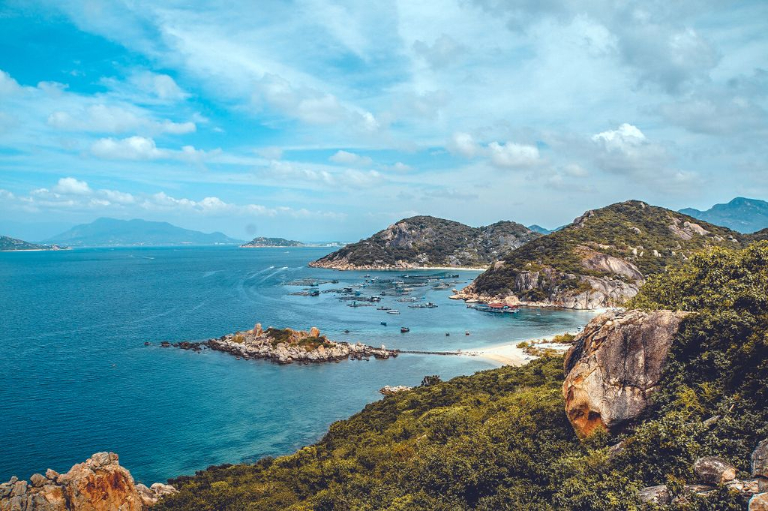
(76,378)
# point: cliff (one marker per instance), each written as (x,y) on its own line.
(600,260)
(425,241)
(98,484)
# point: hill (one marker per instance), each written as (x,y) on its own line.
(8,244)
(741,214)
(761,235)
(500,439)
(262,242)
(539,229)
(599,260)
(425,241)
(109,232)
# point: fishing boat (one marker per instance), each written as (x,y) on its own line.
(404,329)
(383,308)
(383,323)
(393,311)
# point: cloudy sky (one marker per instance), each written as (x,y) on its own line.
(323,120)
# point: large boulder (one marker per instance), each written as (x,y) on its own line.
(714,470)
(98,484)
(760,464)
(759,502)
(614,366)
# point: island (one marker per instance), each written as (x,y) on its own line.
(8,244)
(262,242)
(430,242)
(285,345)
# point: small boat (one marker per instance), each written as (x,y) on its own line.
(447,334)
(393,312)
(383,323)
(466,333)
(404,329)
(383,308)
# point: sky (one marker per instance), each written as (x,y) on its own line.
(319,120)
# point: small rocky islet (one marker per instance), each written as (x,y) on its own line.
(285,346)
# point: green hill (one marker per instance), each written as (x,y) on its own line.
(425,241)
(601,258)
(8,244)
(500,439)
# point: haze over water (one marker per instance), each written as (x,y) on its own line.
(76,378)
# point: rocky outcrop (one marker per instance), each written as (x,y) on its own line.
(614,367)
(285,346)
(760,464)
(98,484)
(592,292)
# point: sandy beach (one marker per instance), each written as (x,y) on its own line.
(511,354)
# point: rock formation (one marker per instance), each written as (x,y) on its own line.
(285,346)
(98,484)
(614,366)
(714,470)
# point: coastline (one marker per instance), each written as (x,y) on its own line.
(401,268)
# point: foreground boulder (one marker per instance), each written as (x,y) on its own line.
(760,464)
(98,484)
(614,366)
(714,470)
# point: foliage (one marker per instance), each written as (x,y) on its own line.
(434,241)
(634,231)
(500,439)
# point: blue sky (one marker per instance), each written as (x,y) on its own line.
(322,120)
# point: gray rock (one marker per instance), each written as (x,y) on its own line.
(714,470)
(760,460)
(655,495)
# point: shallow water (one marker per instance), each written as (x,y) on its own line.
(76,378)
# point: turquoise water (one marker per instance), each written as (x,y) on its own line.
(76,378)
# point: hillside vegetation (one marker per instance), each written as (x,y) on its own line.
(8,244)
(624,242)
(500,439)
(271,242)
(423,241)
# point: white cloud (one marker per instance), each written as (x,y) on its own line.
(8,85)
(347,158)
(464,144)
(102,118)
(513,156)
(270,153)
(626,150)
(70,185)
(326,177)
(131,148)
(161,86)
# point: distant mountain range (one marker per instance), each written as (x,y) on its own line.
(426,241)
(8,244)
(109,232)
(539,229)
(741,214)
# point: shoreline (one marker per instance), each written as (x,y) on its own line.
(510,353)
(394,268)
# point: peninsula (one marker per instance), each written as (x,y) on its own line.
(8,244)
(429,242)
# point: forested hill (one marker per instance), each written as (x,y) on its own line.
(602,258)
(425,241)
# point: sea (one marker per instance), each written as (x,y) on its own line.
(77,378)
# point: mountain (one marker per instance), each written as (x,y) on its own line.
(539,229)
(599,260)
(8,244)
(741,214)
(262,242)
(425,241)
(109,232)
(652,408)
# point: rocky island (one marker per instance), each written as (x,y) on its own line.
(429,242)
(600,260)
(262,242)
(284,346)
